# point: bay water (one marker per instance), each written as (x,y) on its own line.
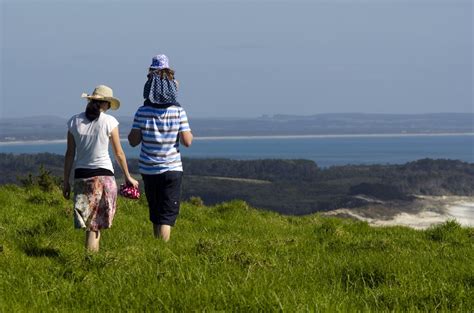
(324,150)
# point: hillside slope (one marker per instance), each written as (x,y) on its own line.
(225,257)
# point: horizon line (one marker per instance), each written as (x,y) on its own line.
(266,115)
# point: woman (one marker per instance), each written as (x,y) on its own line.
(95,190)
(159,125)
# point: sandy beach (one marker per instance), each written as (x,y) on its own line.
(32,142)
(463,212)
(334,136)
(460,209)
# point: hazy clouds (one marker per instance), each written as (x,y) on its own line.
(241,58)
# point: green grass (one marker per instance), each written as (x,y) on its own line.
(227,257)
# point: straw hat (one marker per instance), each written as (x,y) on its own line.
(104,93)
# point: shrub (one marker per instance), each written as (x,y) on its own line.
(449,232)
(196,201)
(44,180)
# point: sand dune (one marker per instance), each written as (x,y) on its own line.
(463,212)
(460,209)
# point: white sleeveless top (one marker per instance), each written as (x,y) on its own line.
(92,140)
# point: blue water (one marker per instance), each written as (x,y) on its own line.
(324,151)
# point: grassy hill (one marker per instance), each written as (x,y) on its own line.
(225,257)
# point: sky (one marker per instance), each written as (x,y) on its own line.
(240,58)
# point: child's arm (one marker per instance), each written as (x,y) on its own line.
(135,137)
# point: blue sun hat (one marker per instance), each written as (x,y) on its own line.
(158,91)
(159,62)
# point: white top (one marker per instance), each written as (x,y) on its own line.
(92,140)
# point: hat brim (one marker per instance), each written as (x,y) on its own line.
(114,102)
(158,68)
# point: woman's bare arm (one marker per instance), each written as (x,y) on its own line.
(120,157)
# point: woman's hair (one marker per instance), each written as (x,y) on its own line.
(166,73)
(93,109)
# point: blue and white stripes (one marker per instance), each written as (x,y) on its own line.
(160,130)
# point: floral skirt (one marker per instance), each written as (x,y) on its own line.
(95,202)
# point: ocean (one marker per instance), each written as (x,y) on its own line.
(324,150)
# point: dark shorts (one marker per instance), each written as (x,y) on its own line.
(163,192)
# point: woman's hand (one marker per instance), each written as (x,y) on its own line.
(66,190)
(132,181)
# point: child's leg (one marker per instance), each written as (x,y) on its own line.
(165,232)
(156,230)
(162,231)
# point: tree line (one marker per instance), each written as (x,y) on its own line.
(286,186)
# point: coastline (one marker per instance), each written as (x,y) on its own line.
(394,135)
(462,211)
(31,142)
(458,208)
(262,137)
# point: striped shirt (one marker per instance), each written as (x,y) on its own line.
(160,130)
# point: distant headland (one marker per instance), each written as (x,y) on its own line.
(330,124)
